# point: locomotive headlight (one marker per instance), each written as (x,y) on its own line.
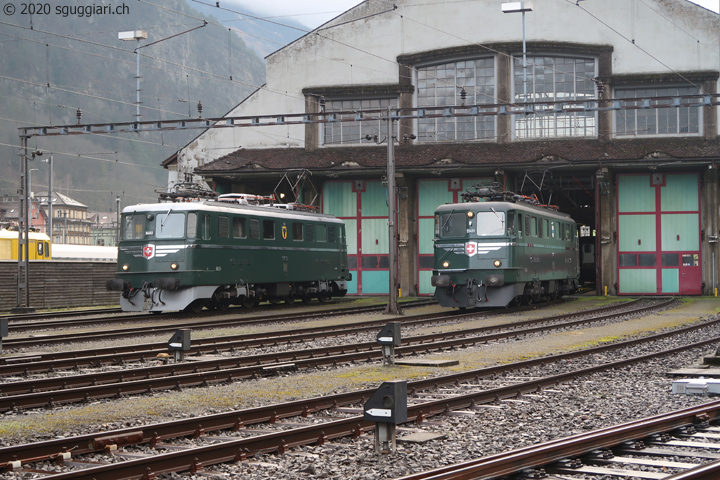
(125,267)
(470,214)
(174,266)
(446,264)
(497,263)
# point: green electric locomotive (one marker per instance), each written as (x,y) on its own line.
(229,251)
(502,248)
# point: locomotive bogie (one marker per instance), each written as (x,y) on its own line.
(491,254)
(211,254)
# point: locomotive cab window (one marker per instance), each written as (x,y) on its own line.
(205,227)
(450,224)
(490,223)
(170,225)
(40,249)
(191,225)
(511,223)
(331,234)
(134,226)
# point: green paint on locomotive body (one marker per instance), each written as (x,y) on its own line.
(521,242)
(216,243)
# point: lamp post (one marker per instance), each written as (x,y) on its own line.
(520,7)
(135,35)
(142,35)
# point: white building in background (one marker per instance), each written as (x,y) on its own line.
(609,168)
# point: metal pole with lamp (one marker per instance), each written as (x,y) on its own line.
(135,35)
(142,35)
(520,7)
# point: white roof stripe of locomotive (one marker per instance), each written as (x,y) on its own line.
(259,211)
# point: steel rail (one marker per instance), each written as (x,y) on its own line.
(272,413)
(24,326)
(27,364)
(490,467)
(41,392)
(43,340)
(546,453)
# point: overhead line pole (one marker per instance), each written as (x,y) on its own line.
(23,277)
(392,307)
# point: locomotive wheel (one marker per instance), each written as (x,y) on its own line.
(248,302)
(306,299)
(323,297)
(289,300)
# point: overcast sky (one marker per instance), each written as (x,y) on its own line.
(313,13)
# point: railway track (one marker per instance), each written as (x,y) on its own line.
(74,388)
(74,359)
(609,451)
(44,339)
(237,435)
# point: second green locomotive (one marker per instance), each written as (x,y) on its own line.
(500,248)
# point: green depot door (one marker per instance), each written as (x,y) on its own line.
(362,205)
(658,220)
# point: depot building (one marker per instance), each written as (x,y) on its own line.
(606,109)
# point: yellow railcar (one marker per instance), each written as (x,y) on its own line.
(38,245)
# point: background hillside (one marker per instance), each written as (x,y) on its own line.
(52,65)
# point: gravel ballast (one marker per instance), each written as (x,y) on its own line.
(587,403)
